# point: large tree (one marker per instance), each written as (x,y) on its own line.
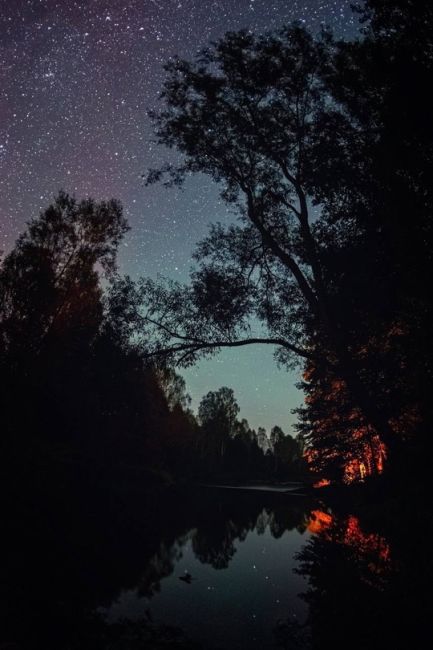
(257,115)
(250,113)
(301,134)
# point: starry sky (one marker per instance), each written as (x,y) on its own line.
(76,81)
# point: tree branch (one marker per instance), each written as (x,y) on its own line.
(195,346)
(281,254)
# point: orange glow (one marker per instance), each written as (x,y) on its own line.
(319,521)
(370,460)
(370,546)
(355,451)
(323,482)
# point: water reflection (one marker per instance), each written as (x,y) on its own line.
(365,589)
(240,560)
(265,572)
(214,541)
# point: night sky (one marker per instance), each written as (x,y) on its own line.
(76,82)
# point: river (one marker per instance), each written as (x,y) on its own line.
(207,568)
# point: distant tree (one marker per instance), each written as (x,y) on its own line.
(242,429)
(262,439)
(287,452)
(219,406)
(300,441)
(276,435)
(217,416)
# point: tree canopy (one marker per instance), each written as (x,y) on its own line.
(250,113)
(311,141)
(49,282)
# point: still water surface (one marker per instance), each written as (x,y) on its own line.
(212,569)
(230,590)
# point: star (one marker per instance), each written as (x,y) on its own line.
(76,87)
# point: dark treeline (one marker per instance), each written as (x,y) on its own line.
(73,392)
(228,446)
(78,390)
(324,149)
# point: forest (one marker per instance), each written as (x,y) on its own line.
(91,394)
(323,149)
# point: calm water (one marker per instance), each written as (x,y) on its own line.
(210,569)
(242,582)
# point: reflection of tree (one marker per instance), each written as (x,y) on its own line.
(218,529)
(214,541)
(358,592)
(64,564)
(215,546)
(56,577)
(287,518)
(262,522)
(160,565)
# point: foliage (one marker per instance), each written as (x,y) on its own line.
(89,395)
(49,283)
(73,353)
(323,149)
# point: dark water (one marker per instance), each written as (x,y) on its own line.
(228,585)
(258,571)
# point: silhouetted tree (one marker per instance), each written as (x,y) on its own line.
(252,126)
(217,415)
(69,356)
(49,283)
(379,274)
(311,141)
(174,387)
(276,436)
(258,116)
(262,439)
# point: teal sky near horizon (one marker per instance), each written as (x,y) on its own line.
(77,78)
